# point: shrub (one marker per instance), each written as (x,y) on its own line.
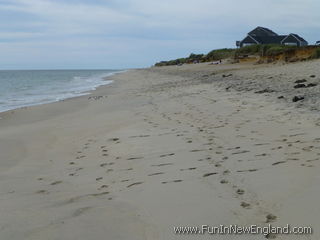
(218,54)
(252,49)
(273,51)
(316,53)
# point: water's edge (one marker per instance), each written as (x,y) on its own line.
(105,81)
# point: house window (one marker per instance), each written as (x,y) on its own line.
(248,44)
(290,44)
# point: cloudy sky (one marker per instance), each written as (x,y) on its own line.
(56,34)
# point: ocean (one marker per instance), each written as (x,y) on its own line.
(21,88)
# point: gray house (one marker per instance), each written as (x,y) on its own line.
(261,35)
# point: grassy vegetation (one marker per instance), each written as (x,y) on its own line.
(192,58)
(316,53)
(214,55)
(267,50)
(249,50)
(218,54)
(264,50)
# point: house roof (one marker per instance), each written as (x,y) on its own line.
(262,31)
(298,37)
(262,35)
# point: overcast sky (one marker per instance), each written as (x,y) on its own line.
(56,34)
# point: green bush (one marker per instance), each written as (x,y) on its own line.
(264,49)
(218,54)
(211,56)
(252,49)
(316,53)
(273,51)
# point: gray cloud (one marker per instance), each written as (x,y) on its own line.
(104,33)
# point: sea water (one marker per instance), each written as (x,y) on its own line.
(21,88)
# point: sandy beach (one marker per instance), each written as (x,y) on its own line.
(166,147)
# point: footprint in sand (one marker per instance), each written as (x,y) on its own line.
(245,205)
(209,174)
(80,211)
(55,183)
(276,148)
(167,155)
(188,169)
(114,139)
(271,236)
(240,191)
(134,158)
(248,170)
(103,187)
(240,152)
(313,160)
(261,144)
(162,164)
(154,174)
(42,192)
(140,136)
(198,150)
(174,181)
(271,218)
(277,163)
(224,181)
(261,155)
(226,172)
(134,184)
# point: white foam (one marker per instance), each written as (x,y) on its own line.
(35,95)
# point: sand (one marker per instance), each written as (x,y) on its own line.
(165,147)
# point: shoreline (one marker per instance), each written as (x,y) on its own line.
(162,148)
(79,94)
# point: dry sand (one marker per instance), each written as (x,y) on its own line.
(164,147)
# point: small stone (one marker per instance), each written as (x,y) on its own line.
(300,85)
(271,218)
(271,236)
(245,205)
(300,81)
(224,181)
(297,98)
(240,191)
